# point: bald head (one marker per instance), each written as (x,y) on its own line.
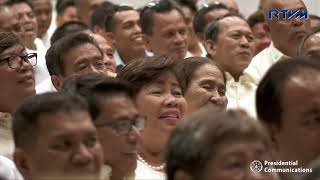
(268,5)
(230,4)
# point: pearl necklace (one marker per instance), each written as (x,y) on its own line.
(157,168)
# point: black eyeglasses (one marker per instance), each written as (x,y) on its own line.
(15,61)
(124,126)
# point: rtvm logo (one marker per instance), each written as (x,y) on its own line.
(288,14)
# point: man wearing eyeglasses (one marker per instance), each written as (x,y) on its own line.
(116,119)
(165,30)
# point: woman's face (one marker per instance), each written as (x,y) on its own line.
(232,160)
(162,103)
(16,84)
(206,86)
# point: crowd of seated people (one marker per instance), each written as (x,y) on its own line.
(176,89)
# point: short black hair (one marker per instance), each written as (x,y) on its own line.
(213,28)
(55,54)
(7,40)
(27,117)
(313,32)
(62,5)
(68,28)
(99,14)
(187,3)
(255,18)
(13,2)
(199,22)
(95,88)
(148,12)
(269,95)
(110,21)
(194,142)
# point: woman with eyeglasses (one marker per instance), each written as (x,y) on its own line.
(17,83)
(160,99)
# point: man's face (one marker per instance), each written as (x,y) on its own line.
(82,59)
(231,160)
(120,151)
(236,35)
(9,23)
(27,20)
(169,35)
(43,12)
(127,31)
(16,84)
(288,34)
(311,46)
(66,146)
(298,135)
(108,51)
(261,37)
(69,14)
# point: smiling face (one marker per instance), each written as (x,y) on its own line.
(16,84)
(27,20)
(169,35)
(127,31)
(163,105)
(206,87)
(235,34)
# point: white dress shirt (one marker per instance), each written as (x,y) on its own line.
(261,63)
(241,94)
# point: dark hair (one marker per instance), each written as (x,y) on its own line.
(144,71)
(270,93)
(313,32)
(148,12)
(68,28)
(13,2)
(199,20)
(187,3)
(55,54)
(313,16)
(62,5)
(27,117)
(213,28)
(95,88)
(110,21)
(99,14)
(255,18)
(7,40)
(186,68)
(196,139)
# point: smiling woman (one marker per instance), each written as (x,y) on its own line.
(160,99)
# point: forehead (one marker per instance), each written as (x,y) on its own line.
(233,23)
(284,4)
(21,7)
(38,4)
(118,104)
(214,14)
(170,17)
(207,70)
(128,15)
(65,122)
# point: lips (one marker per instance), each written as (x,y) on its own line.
(137,38)
(170,116)
(26,79)
(300,33)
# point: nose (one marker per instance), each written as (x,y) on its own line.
(133,135)
(179,38)
(170,100)
(25,66)
(219,101)
(82,156)
(137,28)
(244,42)
(298,21)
